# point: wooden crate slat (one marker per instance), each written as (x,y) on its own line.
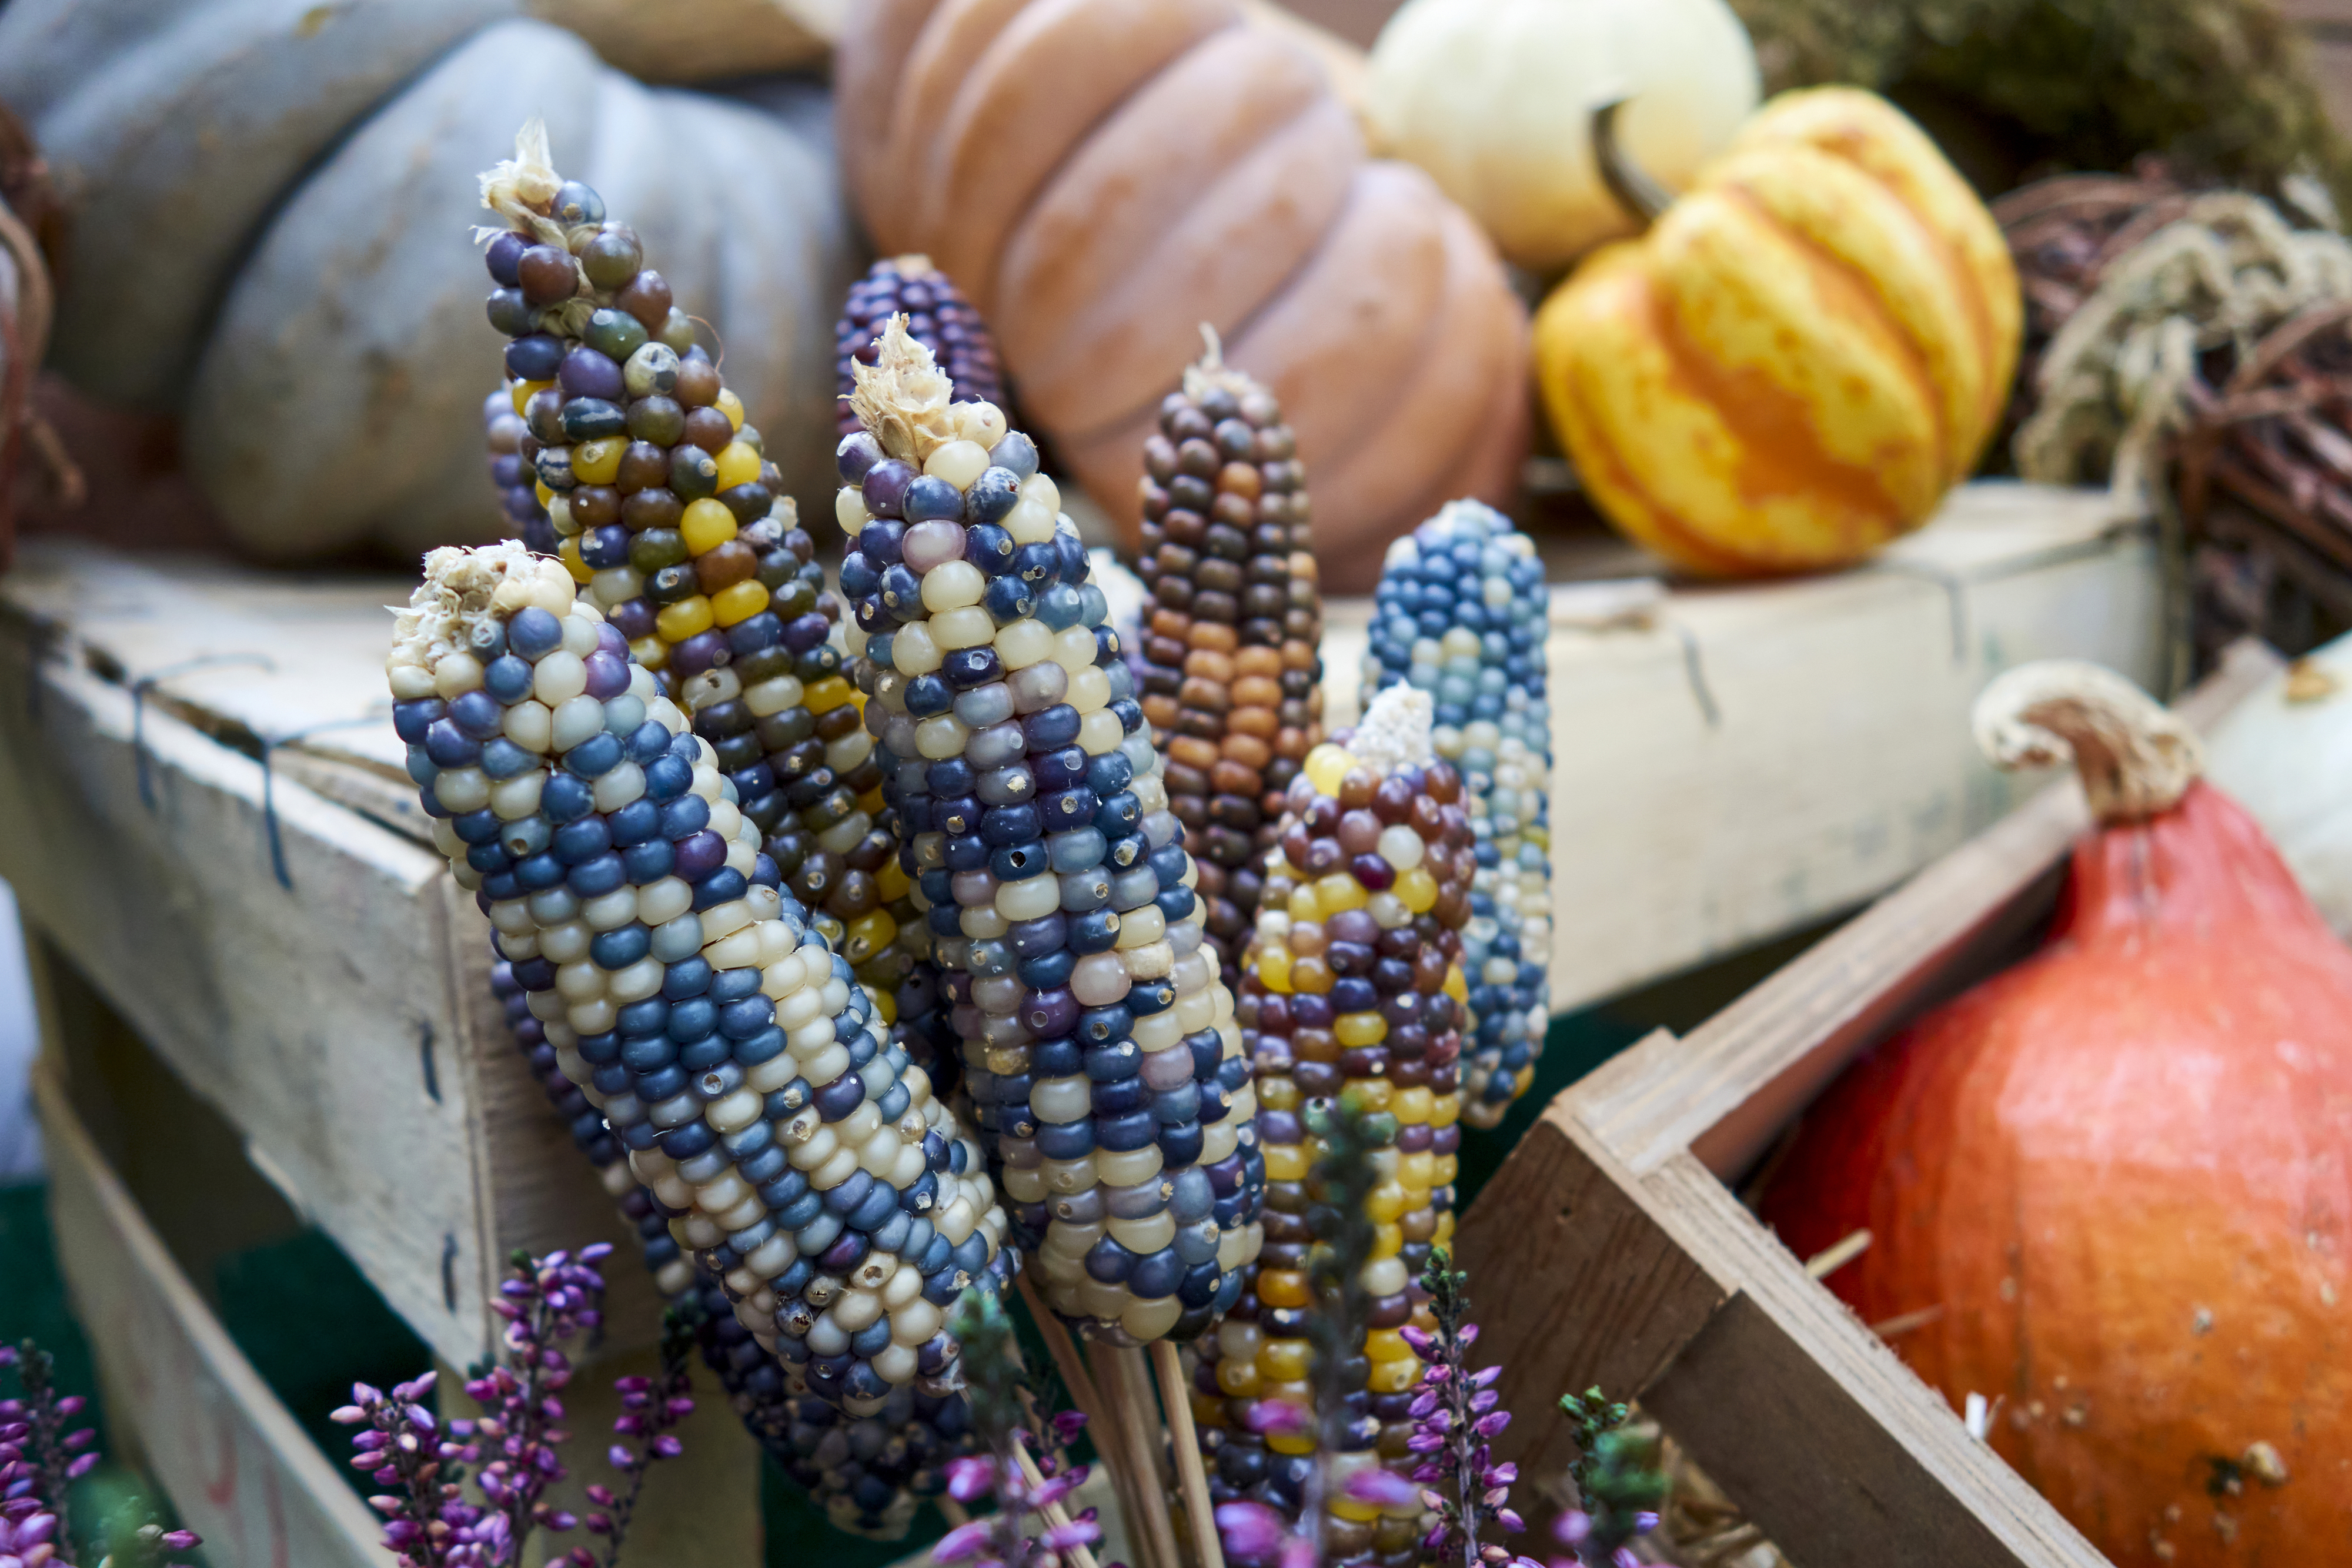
(240,1471)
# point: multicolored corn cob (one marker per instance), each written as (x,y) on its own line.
(1461,614)
(1100,1051)
(726,1046)
(675,528)
(937,316)
(512,474)
(1353,987)
(1230,673)
(868,1473)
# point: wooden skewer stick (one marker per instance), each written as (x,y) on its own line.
(1121,1375)
(1109,1437)
(1192,1475)
(1056,1514)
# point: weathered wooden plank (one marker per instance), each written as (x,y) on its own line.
(240,1471)
(336,1015)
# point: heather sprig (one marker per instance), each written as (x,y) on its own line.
(428,1520)
(650,1407)
(1005,1417)
(547,1302)
(1457,1413)
(54,1455)
(28,1532)
(138,1540)
(1618,1484)
(1340,1188)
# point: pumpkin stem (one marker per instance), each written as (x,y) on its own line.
(1627,181)
(2135,759)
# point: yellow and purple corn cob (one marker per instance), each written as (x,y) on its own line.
(728,1048)
(1100,1051)
(676,528)
(937,315)
(1353,987)
(1461,614)
(1232,675)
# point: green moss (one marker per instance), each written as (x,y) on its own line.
(2016,89)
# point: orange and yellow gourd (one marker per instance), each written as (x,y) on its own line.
(1801,356)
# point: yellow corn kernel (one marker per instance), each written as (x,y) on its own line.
(738,464)
(1360,1028)
(706,525)
(1387,1241)
(1444,1237)
(598,462)
(1273,968)
(1455,986)
(1393,1376)
(1237,1377)
(727,403)
(1442,1170)
(676,623)
(1282,1286)
(892,883)
(1412,1171)
(1207,1411)
(1342,1505)
(1384,1202)
(650,652)
(1340,892)
(539,488)
(1275,1093)
(885,1006)
(1326,766)
(1291,1443)
(1410,1106)
(1286,1162)
(871,801)
(519,391)
(739,601)
(1304,904)
(1387,1344)
(868,934)
(1444,1110)
(1284,1360)
(568,552)
(827,695)
(1417,890)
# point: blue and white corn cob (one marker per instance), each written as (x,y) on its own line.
(1100,1045)
(727,1048)
(1460,613)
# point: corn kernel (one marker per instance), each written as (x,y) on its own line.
(1393,1376)
(1387,1344)
(650,652)
(727,403)
(738,464)
(1382,1204)
(1417,889)
(1273,968)
(1304,905)
(521,392)
(1326,766)
(1387,1241)
(825,696)
(1340,892)
(1360,1028)
(892,883)
(868,934)
(598,462)
(1291,1443)
(546,496)
(1443,1168)
(1411,1106)
(568,552)
(706,525)
(1455,987)
(739,601)
(1286,1162)
(1237,1378)
(676,623)
(1347,1508)
(1282,1288)
(1284,1360)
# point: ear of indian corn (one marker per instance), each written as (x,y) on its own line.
(937,316)
(1461,614)
(868,1473)
(1353,987)
(1230,673)
(681,990)
(676,530)
(1100,1051)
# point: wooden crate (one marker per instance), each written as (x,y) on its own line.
(1609,1249)
(209,819)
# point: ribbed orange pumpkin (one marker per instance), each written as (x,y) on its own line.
(1100,177)
(1802,355)
(2117,1181)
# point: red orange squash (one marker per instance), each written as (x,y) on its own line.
(2116,1178)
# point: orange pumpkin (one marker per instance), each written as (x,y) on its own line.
(1100,177)
(2116,1178)
(1801,356)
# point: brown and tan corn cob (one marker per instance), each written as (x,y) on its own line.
(1231,678)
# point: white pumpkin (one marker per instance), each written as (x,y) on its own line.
(1495,99)
(2286,754)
